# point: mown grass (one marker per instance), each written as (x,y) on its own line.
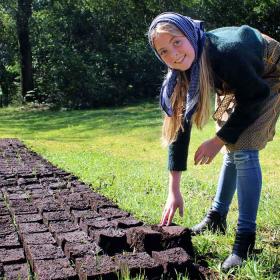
(118,152)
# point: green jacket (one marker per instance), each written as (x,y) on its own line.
(236,59)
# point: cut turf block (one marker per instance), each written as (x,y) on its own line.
(111,240)
(97,204)
(6,228)
(76,205)
(139,264)
(22,196)
(31,228)
(58,269)
(16,271)
(92,224)
(174,261)
(76,215)
(143,238)
(9,240)
(78,237)
(73,250)
(11,256)
(28,218)
(24,209)
(99,267)
(62,226)
(1,270)
(176,236)
(50,206)
(5,220)
(42,252)
(55,216)
(37,238)
(4,211)
(112,213)
(67,196)
(126,222)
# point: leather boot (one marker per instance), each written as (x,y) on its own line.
(213,221)
(243,246)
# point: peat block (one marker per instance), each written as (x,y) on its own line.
(96,204)
(1,270)
(111,240)
(78,237)
(58,185)
(16,271)
(58,269)
(50,206)
(42,252)
(73,250)
(78,214)
(55,216)
(176,260)
(77,205)
(28,218)
(9,240)
(93,224)
(62,226)
(112,213)
(6,228)
(37,238)
(97,267)
(24,208)
(27,181)
(176,236)
(31,228)
(5,220)
(15,196)
(66,196)
(4,211)
(143,238)
(139,263)
(126,222)
(11,256)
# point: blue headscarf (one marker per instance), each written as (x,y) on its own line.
(194,32)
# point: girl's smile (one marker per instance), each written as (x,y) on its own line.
(176,51)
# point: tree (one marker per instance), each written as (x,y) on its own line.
(24,12)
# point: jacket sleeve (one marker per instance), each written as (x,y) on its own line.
(178,150)
(250,92)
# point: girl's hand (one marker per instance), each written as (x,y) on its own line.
(208,150)
(174,201)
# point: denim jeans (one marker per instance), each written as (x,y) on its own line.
(240,170)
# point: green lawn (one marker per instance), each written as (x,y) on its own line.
(118,151)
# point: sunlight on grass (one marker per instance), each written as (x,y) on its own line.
(118,152)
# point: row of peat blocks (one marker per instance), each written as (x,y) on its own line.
(53,226)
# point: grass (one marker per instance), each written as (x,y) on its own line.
(118,152)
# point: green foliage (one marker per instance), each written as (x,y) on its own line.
(88,54)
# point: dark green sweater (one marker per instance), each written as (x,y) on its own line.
(236,58)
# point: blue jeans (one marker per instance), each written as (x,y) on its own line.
(240,170)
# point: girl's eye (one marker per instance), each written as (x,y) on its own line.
(177,42)
(163,52)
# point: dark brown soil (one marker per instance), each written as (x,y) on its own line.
(67,231)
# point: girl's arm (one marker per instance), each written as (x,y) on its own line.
(174,199)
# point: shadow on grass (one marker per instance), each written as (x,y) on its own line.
(112,120)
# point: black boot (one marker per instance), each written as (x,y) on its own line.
(243,246)
(213,221)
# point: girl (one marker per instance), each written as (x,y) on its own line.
(243,67)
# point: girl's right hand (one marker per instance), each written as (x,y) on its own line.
(174,201)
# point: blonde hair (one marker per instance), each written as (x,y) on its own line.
(172,125)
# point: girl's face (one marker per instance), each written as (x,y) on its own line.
(176,51)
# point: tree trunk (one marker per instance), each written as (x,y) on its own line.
(23,16)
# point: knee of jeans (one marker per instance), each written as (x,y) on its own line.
(241,157)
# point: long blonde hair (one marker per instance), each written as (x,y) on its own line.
(171,125)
